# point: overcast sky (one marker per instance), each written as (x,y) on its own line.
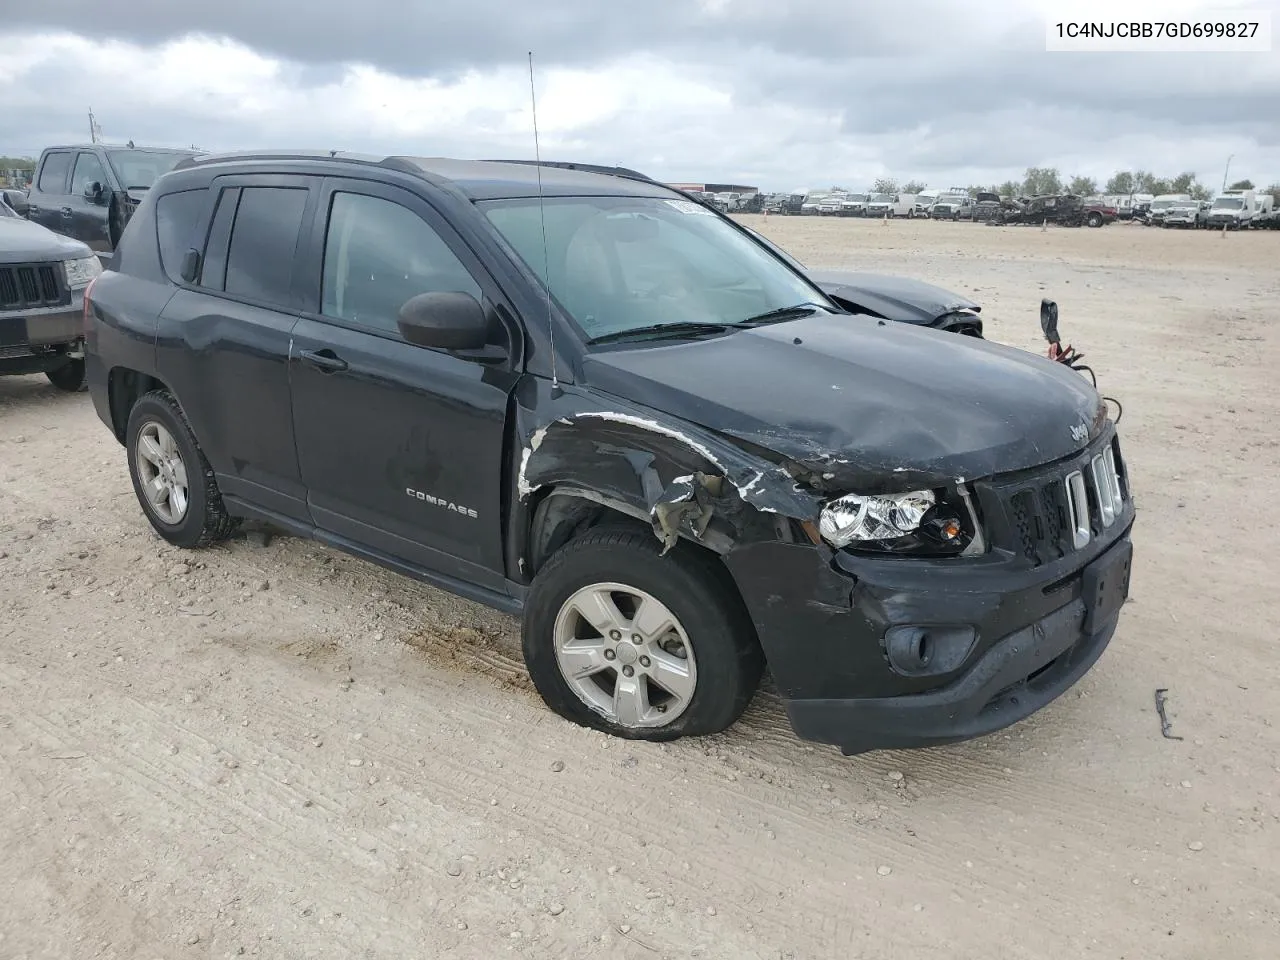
(784,94)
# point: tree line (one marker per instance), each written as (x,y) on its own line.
(1039,181)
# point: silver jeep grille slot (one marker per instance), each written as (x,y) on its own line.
(1078,504)
(1113,476)
(1104,489)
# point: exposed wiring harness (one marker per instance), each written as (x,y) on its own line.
(1070,357)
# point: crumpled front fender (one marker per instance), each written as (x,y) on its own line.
(683,477)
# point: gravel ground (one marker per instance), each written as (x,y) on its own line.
(276,750)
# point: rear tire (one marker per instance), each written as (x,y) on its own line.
(662,605)
(172,479)
(69,377)
(1095,219)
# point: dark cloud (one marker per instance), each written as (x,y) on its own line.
(442,39)
(821,91)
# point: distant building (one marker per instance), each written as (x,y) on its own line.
(713,188)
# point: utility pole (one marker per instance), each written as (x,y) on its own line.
(1225,172)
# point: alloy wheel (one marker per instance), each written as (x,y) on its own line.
(625,655)
(161,473)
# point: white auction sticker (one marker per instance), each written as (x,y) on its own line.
(688,206)
(1178,31)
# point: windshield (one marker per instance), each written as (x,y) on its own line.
(1161,204)
(142,168)
(621,263)
(881,198)
(1228,203)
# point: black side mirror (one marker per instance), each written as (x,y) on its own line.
(449,320)
(1049,320)
(93,190)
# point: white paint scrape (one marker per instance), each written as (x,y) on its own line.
(643,423)
(522,482)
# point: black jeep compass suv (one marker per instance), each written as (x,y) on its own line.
(583,397)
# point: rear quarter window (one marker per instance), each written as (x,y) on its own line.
(177,219)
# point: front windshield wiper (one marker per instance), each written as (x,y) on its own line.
(785,313)
(686,327)
(674,329)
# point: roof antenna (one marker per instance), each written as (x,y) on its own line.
(542,215)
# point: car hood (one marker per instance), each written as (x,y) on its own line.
(862,404)
(894,298)
(22,241)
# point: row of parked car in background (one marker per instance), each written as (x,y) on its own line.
(1231,209)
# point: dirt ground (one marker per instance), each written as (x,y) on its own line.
(279,751)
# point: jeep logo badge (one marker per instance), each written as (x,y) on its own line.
(1080,432)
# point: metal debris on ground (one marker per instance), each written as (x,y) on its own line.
(1165,725)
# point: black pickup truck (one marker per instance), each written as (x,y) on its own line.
(580,396)
(89,192)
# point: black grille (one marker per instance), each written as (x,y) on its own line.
(1026,524)
(1039,515)
(28,285)
(1038,521)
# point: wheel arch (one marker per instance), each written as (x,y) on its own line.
(125,387)
(566,511)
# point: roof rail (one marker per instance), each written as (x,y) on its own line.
(201,158)
(622,172)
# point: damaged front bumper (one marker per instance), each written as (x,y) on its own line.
(1004,644)
(890,652)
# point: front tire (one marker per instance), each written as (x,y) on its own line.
(1095,220)
(69,377)
(171,477)
(641,646)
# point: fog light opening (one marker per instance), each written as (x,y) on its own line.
(922,649)
(919,650)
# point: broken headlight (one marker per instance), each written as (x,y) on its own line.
(80,272)
(918,522)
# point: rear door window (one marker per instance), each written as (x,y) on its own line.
(53,174)
(264,242)
(177,218)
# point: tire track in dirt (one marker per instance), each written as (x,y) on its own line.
(807,822)
(174,782)
(265,831)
